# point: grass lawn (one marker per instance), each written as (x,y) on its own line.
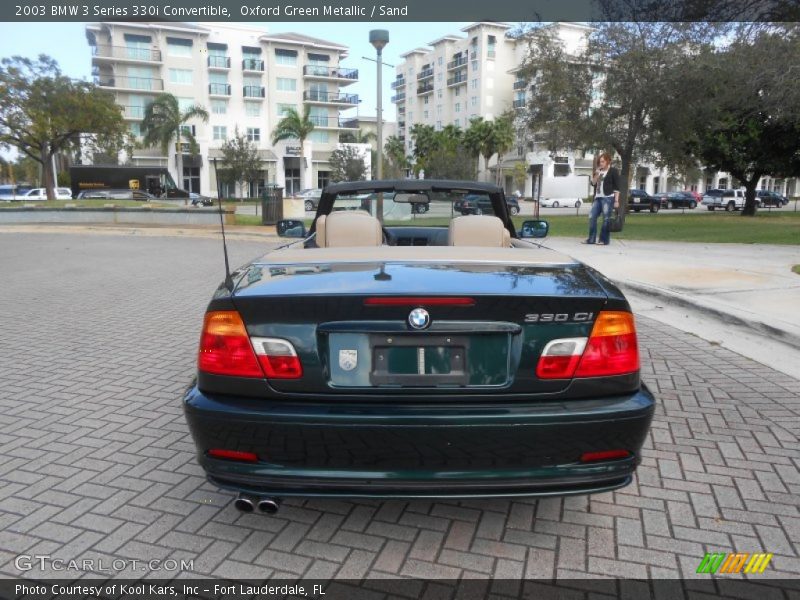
(764,228)
(86,204)
(796,269)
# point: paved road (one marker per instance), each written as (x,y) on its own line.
(98,340)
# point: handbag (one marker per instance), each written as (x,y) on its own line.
(615,220)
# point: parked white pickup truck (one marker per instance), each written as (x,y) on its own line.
(730,200)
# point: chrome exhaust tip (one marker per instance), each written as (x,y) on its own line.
(269,506)
(245,503)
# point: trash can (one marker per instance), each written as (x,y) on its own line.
(271,205)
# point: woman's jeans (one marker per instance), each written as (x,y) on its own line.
(602,204)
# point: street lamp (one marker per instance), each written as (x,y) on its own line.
(379,38)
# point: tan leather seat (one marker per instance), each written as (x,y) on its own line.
(478,230)
(348,228)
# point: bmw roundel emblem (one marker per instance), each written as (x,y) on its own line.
(419,318)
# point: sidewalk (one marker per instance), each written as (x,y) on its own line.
(748,290)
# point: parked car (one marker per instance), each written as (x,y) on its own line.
(672,200)
(730,200)
(440,360)
(698,197)
(558,202)
(311,198)
(639,200)
(41,194)
(140,195)
(479,204)
(769,198)
(9,192)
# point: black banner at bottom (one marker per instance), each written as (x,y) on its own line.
(396,589)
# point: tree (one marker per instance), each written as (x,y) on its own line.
(394,156)
(478,140)
(747,120)
(293,126)
(347,164)
(164,121)
(604,95)
(358,136)
(240,160)
(425,142)
(520,174)
(501,141)
(447,163)
(43,112)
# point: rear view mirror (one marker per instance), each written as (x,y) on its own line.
(290,228)
(403,198)
(534,229)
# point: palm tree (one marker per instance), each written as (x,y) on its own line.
(294,127)
(164,121)
(478,140)
(502,140)
(359,136)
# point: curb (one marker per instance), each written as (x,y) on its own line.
(777,334)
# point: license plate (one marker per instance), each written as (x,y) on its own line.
(636,200)
(418,360)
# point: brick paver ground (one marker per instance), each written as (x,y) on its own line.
(97,342)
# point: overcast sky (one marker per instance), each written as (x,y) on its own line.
(67,43)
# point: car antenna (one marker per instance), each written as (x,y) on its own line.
(228,278)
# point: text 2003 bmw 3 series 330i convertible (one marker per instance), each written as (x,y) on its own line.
(438,355)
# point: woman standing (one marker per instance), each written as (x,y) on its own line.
(605,179)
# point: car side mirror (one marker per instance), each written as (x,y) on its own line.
(534,229)
(290,228)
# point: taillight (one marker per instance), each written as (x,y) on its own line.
(611,349)
(225,346)
(233,455)
(278,358)
(604,455)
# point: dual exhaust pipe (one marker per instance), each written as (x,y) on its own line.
(248,503)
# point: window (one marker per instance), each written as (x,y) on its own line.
(323,179)
(285,108)
(252,109)
(474,65)
(319,136)
(474,84)
(220,133)
(252,80)
(219,107)
(438,125)
(188,130)
(185,104)
(457,122)
(135,129)
(439,77)
(137,46)
(179,47)
(457,91)
(425,100)
(439,110)
(474,101)
(441,61)
(458,107)
(221,78)
(439,94)
(180,76)
(424,114)
(254,134)
(286,58)
(191,179)
(286,85)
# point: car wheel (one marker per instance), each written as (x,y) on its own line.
(578,204)
(670,205)
(730,206)
(711,208)
(692,204)
(555,204)
(654,208)
(514,210)
(478,211)
(309,205)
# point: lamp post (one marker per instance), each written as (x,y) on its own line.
(379,38)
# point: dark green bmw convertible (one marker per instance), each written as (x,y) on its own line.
(422,355)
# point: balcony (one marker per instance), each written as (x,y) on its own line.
(520,84)
(426,88)
(133,113)
(344,76)
(401,124)
(330,98)
(519,103)
(325,122)
(219,89)
(219,62)
(253,64)
(139,84)
(457,80)
(461,61)
(398,83)
(253,91)
(126,54)
(401,110)
(425,74)
(399,97)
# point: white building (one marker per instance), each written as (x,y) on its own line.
(245,78)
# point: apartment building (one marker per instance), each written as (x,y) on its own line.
(455,79)
(245,78)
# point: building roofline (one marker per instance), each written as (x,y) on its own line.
(445,38)
(187,28)
(314,43)
(497,24)
(416,51)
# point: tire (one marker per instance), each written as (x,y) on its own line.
(692,204)
(309,206)
(514,211)
(711,208)
(555,204)
(654,208)
(478,211)
(578,204)
(670,205)
(731,206)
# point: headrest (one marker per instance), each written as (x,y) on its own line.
(478,230)
(348,228)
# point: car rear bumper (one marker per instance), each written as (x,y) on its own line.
(403,451)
